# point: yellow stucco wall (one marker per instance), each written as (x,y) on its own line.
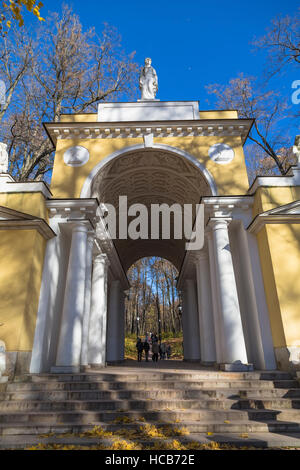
(279,248)
(284,243)
(21,263)
(87,117)
(231,179)
(221,114)
(268,198)
(29,203)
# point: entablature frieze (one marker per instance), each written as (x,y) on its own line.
(113,130)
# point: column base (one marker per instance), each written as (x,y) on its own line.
(65,369)
(208,363)
(112,363)
(237,367)
(97,366)
(192,360)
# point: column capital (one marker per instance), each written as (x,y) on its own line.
(217,223)
(80,226)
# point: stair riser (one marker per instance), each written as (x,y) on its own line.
(55,405)
(161,376)
(117,395)
(163,385)
(254,427)
(285,395)
(162,416)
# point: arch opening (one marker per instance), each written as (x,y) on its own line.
(150,177)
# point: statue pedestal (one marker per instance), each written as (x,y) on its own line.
(147,101)
(148,110)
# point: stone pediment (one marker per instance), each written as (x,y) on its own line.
(287,209)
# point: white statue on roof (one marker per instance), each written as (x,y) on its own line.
(148,81)
(3,158)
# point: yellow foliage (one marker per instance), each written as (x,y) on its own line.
(124,445)
(14,10)
(123,419)
(151,431)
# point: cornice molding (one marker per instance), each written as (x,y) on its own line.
(288,180)
(28,224)
(261,220)
(223,206)
(26,187)
(104,130)
(84,209)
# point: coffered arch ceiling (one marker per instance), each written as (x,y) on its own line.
(148,177)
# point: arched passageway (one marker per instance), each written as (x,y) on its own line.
(220,317)
(152,307)
(151,177)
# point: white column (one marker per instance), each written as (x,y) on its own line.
(122,326)
(113,322)
(44,323)
(205,309)
(98,315)
(258,315)
(185,324)
(70,338)
(215,300)
(233,336)
(87,299)
(190,322)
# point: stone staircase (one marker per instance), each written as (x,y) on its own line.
(211,405)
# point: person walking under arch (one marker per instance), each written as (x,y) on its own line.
(146,346)
(139,347)
(155,350)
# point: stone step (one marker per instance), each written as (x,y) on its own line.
(212,426)
(258,440)
(154,385)
(108,415)
(276,404)
(152,375)
(53,395)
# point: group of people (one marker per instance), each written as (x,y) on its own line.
(162,350)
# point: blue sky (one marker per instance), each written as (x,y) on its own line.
(192,43)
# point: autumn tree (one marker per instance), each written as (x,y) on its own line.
(153,297)
(265,106)
(282,43)
(12,11)
(270,149)
(60,68)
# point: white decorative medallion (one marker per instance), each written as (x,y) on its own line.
(221,153)
(76,156)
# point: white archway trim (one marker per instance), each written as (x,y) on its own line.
(86,189)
